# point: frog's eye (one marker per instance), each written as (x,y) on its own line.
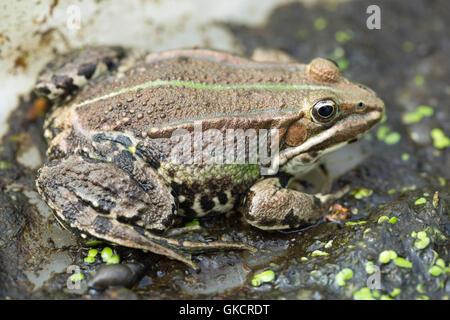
(324,111)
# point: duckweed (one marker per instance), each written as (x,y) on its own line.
(391,191)
(420,201)
(361,193)
(406,156)
(384,134)
(363,294)
(403,263)
(393,220)
(395,292)
(370,269)
(440,140)
(435,271)
(260,278)
(386,256)
(422,240)
(320,23)
(418,114)
(420,288)
(419,80)
(319,253)
(440,262)
(344,274)
(77,277)
(113,260)
(106,253)
(5,165)
(89,259)
(354,223)
(192,223)
(382,219)
(392,138)
(343,63)
(343,36)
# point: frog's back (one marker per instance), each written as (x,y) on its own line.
(178,87)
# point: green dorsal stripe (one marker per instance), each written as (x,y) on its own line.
(205,86)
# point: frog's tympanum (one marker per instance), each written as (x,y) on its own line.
(115,126)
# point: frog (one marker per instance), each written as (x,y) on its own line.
(119,116)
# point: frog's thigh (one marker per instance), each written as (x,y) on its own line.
(270,206)
(107,190)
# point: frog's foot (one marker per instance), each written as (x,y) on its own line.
(269,205)
(68,72)
(328,199)
(102,200)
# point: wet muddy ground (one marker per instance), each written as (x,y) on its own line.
(395,246)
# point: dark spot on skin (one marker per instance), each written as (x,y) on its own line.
(102,225)
(206,203)
(195,187)
(186,207)
(70,213)
(128,220)
(176,187)
(223,199)
(267,222)
(87,70)
(148,155)
(284,178)
(183,59)
(109,63)
(65,83)
(139,230)
(105,205)
(125,141)
(167,222)
(99,137)
(290,219)
(43,90)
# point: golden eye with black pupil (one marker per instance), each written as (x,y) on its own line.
(360,106)
(324,111)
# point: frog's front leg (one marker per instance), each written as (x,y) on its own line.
(68,72)
(270,205)
(104,201)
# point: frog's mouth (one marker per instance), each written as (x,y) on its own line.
(341,133)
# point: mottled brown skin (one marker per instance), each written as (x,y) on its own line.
(109,172)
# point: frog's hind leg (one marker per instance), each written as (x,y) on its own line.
(100,199)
